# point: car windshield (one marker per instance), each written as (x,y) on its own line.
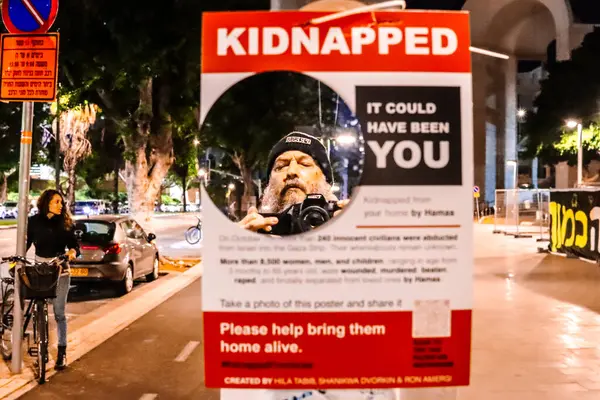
(10,204)
(85,203)
(95,231)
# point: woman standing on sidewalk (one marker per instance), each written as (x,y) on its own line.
(51,232)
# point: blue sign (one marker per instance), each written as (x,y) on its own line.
(475,189)
(29,16)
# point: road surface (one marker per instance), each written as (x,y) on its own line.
(159,356)
(169,231)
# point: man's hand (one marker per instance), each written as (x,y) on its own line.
(341,204)
(253,221)
(72,254)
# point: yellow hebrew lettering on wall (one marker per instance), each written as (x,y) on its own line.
(569,216)
(581,235)
(569,227)
(553,208)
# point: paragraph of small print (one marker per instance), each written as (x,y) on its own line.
(431,319)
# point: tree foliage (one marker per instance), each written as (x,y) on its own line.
(248,119)
(185,145)
(140,64)
(571,91)
(10,127)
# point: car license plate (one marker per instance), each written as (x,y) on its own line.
(79,272)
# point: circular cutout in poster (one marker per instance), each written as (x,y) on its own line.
(285,151)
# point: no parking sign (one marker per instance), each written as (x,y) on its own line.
(29,16)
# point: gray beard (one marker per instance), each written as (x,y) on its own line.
(272,202)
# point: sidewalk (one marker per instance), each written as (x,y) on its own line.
(90,330)
(536,324)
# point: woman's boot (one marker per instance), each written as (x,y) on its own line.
(61,359)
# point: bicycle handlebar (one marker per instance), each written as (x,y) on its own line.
(59,260)
(56,260)
(16,259)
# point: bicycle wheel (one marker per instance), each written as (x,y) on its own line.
(193,235)
(41,319)
(6,324)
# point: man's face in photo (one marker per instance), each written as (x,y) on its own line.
(294,175)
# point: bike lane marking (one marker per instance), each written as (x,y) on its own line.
(187,350)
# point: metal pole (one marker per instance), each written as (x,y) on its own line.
(23,211)
(208,166)
(345,179)
(579,154)
(478,214)
(259,184)
(57,151)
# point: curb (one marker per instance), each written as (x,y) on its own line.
(102,324)
(5,227)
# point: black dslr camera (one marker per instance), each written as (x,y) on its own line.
(314,211)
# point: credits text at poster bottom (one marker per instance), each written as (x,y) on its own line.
(332,350)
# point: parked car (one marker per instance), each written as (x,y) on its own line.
(114,249)
(91,207)
(10,209)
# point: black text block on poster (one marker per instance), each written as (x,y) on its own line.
(412,135)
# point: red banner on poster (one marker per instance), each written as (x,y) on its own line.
(335,350)
(256,42)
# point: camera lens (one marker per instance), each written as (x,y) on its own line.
(312,217)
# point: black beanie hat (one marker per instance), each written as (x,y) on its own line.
(307,144)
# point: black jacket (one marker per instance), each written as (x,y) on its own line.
(49,236)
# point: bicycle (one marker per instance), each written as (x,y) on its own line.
(194,233)
(34,279)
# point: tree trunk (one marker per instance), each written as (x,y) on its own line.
(3,188)
(248,198)
(145,172)
(159,198)
(116,189)
(184,186)
(71,189)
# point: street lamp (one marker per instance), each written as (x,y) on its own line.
(231,186)
(572,124)
(521,113)
(345,139)
(196,142)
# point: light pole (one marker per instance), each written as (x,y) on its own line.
(572,124)
(514,165)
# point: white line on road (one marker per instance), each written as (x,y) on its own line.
(187,350)
(149,396)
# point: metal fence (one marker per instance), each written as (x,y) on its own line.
(522,213)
